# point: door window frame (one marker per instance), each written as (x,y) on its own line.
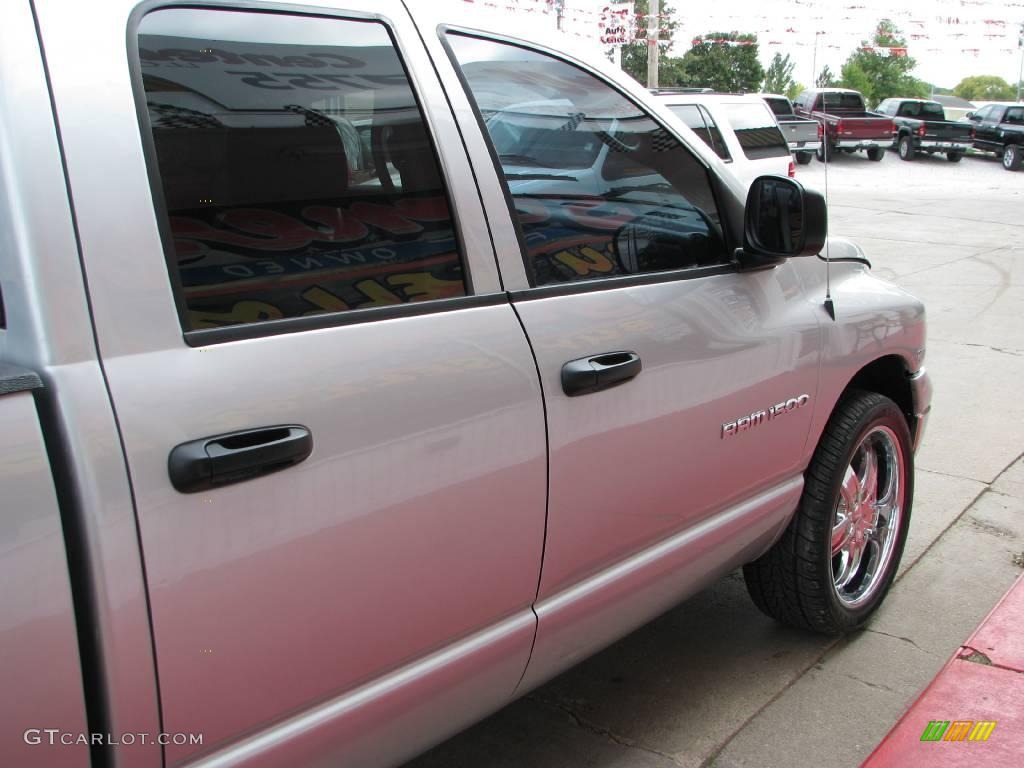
(329,319)
(598,283)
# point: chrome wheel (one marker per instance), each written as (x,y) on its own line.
(1009,157)
(868,516)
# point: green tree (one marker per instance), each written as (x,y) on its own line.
(778,78)
(634,55)
(795,90)
(879,74)
(826,79)
(854,76)
(725,61)
(984,88)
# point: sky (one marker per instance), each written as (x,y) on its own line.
(950,39)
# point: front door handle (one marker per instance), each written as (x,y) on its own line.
(591,374)
(230,458)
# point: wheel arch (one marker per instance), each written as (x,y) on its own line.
(888,375)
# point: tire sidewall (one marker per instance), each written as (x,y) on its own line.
(883,413)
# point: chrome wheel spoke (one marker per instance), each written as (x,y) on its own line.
(841,532)
(869,475)
(850,490)
(850,559)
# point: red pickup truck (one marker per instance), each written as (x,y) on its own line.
(847,123)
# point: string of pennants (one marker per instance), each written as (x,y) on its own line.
(619,24)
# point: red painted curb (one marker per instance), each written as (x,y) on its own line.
(982,682)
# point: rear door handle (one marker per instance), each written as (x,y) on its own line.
(591,374)
(236,456)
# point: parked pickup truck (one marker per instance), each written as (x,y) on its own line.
(302,466)
(803,135)
(921,126)
(999,128)
(847,123)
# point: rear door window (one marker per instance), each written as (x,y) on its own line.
(294,172)
(700,120)
(1015,115)
(756,130)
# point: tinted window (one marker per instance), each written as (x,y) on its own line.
(599,188)
(295,167)
(779,107)
(756,130)
(1014,115)
(695,115)
(843,101)
(932,110)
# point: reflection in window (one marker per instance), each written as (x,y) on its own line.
(600,189)
(295,167)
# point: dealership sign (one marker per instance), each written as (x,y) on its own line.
(618,24)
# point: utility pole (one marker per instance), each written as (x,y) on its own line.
(559,13)
(814,62)
(1020,70)
(653,32)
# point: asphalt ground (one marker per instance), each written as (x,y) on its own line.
(715,684)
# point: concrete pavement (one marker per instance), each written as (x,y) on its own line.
(714,683)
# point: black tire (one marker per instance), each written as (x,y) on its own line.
(1012,157)
(794,581)
(875,154)
(954,157)
(825,152)
(804,157)
(905,148)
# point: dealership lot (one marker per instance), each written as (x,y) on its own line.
(714,682)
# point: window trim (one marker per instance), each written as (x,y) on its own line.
(241,331)
(203,336)
(597,283)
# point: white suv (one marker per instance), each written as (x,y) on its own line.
(740,129)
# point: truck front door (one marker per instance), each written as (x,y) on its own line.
(651,347)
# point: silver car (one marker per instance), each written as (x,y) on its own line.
(332,422)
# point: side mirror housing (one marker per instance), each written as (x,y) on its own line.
(782,219)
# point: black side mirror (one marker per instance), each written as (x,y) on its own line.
(782,219)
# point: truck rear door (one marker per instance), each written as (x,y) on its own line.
(987,131)
(323,393)
(40,660)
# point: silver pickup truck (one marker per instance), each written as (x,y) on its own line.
(803,136)
(328,428)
